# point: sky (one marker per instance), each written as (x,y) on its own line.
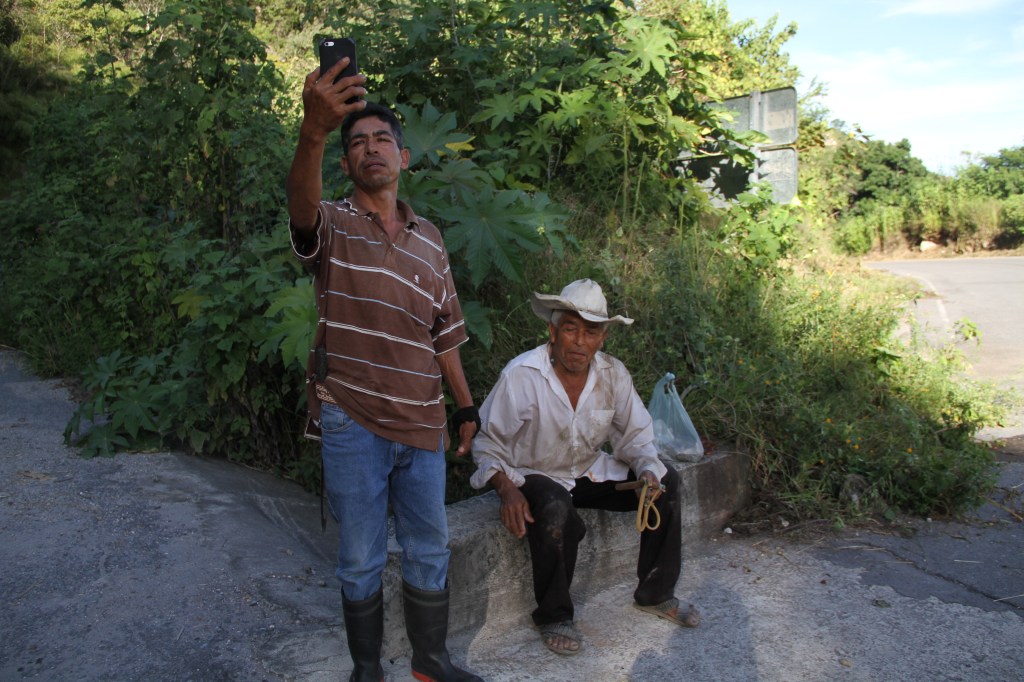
(947,75)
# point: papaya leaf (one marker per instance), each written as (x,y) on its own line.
(425,193)
(296,318)
(650,43)
(101,441)
(534,99)
(105,369)
(491,235)
(576,105)
(498,109)
(428,133)
(459,176)
(134,410)
(477,323)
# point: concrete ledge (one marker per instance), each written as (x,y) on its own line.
(490,572)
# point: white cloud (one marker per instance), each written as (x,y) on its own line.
(893,95)
(863,70)
(944,74)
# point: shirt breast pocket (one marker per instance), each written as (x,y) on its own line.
(601,421)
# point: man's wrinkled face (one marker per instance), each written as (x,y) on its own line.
(373,159)
(574,342)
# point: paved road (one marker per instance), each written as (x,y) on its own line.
(989,292)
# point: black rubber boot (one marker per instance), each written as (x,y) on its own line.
(426,623)
(364,628)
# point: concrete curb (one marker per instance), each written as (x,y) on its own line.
(490,572)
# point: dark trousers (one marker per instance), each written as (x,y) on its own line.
(555,534)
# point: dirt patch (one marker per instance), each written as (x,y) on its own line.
(941,253)
(1010,449)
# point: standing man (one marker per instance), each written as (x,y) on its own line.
(390,327)
(545,426)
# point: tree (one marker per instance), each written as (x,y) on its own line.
(888,174)
(1000,176)
(741,55)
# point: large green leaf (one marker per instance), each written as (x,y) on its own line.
(295,318)
(497,110)
(460,177)
(478,325)
(491,235)
(429,134)
(650,43)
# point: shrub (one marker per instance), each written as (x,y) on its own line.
(979,221)
(1012,214)
(797,363)
(854,235)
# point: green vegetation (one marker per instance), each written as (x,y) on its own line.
(871,195)
(146,248)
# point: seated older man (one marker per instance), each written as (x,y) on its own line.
(542,446)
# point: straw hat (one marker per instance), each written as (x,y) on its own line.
(584,297)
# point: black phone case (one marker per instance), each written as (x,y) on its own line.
(331,52)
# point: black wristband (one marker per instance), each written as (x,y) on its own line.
(464,415)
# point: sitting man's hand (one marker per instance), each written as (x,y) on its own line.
(515,510)
(653,486)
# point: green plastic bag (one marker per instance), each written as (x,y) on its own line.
(674,433)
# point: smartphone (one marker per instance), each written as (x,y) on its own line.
(331,52)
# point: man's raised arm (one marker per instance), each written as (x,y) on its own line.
(323,109)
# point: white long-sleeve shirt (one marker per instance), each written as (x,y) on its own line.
(529,426)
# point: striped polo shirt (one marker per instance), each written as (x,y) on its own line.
(387,309)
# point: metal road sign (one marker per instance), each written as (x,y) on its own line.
(773,113)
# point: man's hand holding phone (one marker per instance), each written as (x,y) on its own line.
(334,51)
(333,90)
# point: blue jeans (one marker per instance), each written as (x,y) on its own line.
(362,474)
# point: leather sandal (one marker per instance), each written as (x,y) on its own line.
(567,629)
(671,611)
